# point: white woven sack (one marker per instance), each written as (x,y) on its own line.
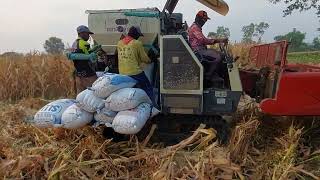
(154,112)
(104,116)
(75,117)
(99,73)
(89,102)
(127,98)
(131,121)
(110,83)
(51,113)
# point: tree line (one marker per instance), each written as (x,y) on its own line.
(252,33)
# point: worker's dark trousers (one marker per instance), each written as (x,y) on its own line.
(214,59)
(144,83)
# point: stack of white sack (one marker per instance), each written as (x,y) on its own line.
(126,109)
(88,107)
(134,108)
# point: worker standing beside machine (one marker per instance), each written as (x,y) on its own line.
(131,56)
(83,58)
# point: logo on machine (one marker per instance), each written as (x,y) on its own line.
(120,29)
(122,21)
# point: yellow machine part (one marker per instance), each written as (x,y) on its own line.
(219,6)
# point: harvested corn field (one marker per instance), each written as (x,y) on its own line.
(138,91)
(260,147)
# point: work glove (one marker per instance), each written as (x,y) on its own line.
(82,57)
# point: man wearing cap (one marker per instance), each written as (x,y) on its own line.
(199,42)
(83,58)
(131,56)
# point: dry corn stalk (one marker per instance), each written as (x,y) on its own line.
(35,76)
(242,138)
(289,143)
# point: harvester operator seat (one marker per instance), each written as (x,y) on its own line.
(215,81)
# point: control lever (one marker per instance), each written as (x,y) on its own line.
(228,59)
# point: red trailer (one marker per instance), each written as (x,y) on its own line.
(283,89)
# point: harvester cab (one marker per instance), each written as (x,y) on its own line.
(177,72)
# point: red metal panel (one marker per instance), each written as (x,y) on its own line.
(298,95)
(248,80)
(266,55)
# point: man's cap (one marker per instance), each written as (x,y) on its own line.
(203,14)
(135,30)
(84,29)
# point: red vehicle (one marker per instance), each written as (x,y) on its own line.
(283,89)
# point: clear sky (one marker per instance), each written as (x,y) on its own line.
(25,25)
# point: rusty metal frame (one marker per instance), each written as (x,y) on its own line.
(265,54)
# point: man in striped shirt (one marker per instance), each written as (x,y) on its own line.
(199,43)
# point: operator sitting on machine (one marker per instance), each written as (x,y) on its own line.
(131,55)
(199,43)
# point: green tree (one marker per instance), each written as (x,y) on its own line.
(296,39)
(260,29)
(299,5)
(223,32)
(212,35)
(54,45)
(248,33)
(254,31)
(316,43)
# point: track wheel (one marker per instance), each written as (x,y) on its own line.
(221,126)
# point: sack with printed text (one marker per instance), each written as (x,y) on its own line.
(50,114)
